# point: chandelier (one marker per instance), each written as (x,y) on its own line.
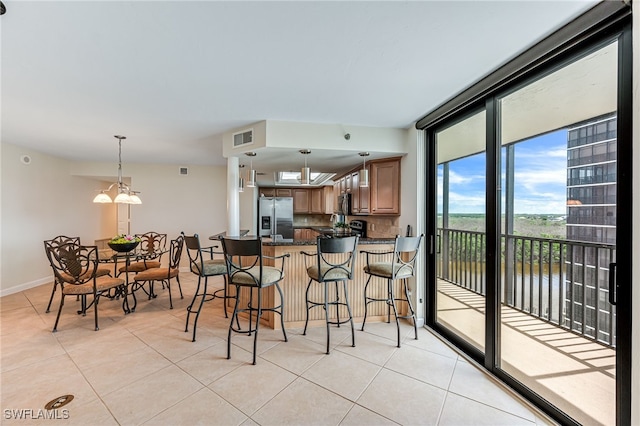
(125,194)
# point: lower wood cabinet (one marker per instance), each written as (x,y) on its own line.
(305,234)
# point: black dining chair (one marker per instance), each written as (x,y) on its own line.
(77,266)
(53,245)
(401,267)
(203,263)
(246,269)
(332,264)
(161,274)
(154,245)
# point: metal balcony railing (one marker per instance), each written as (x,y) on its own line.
(563,282)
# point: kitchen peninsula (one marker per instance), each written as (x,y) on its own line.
(296,279)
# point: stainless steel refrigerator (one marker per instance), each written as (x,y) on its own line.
(275,218)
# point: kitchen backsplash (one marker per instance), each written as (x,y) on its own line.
(380,227)
(311,220)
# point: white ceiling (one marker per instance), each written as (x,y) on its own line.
(173,76)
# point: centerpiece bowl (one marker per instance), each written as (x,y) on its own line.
(123,247)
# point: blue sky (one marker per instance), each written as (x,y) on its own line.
(540,178)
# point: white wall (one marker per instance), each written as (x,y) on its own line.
(40,201)
(34,210)
(635,340)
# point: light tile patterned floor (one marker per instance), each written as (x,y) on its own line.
(142,368)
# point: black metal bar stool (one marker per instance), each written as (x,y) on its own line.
(401,267)
(203,264)
(245,268)
(335,258)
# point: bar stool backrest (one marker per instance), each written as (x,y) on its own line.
(244,260)
(330,266)
(405,252)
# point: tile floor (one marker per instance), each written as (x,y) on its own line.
(143,368)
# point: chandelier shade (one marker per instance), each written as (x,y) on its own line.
(102,197)
(125,194)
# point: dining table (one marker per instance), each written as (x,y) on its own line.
(137,254)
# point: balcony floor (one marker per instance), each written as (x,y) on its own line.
(575,374)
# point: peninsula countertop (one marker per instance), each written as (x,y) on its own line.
(300,242)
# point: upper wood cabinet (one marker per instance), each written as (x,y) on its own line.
(384,186)
(301,201)
(284,192)
(329,204)
(306,200)
(360,197)
(268,192)
(276,192)
(316,196)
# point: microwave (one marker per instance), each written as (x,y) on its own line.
(344,204)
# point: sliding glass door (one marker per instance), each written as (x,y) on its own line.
(529,191)
(558,165)
(461,236)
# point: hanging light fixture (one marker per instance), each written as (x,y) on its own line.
(305,173)
(251,174)
(125,194)
(364,173)
(241,179)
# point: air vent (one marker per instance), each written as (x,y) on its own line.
(184,171)
(243,138)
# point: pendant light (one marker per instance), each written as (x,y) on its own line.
(364,173)
(305,173)
(125,194)
(251,174)
(241,179)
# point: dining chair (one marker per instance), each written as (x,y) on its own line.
(53,245)
(401,267)
(246,269)
(152,243)
(77,267)
(203,263)
(162,274)
(332,264)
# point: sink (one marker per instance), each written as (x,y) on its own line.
(324,229)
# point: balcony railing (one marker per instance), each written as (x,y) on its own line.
(563,282)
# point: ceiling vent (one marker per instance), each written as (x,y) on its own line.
(184,171)
(243,138)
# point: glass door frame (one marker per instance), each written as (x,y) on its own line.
(619,29)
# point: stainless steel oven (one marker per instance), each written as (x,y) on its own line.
(359,228)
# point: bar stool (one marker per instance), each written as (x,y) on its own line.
(202,263)
(245,268)
(401,267)
(334,261)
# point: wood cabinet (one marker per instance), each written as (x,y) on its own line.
(268,192)
(381,197)
(384,194)
(305,234)
(316,196)
(301,202)
(276,192)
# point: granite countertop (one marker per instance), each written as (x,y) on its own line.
(362,241)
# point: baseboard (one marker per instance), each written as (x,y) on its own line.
(25,286)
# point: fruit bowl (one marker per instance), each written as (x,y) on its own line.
(123,247)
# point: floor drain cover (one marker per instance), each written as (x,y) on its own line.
(58,402)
